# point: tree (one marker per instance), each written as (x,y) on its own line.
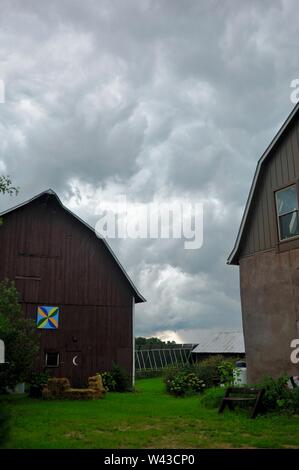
(6,186)
(19,335)
(141,341)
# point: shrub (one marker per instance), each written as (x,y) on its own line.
(293,404)
(275,391)
(171,372)
(208,370)
(184,383)
(116,380)
(108,381)
(19,336)
(226,372)
(36,384)
(278,397)
(208,373)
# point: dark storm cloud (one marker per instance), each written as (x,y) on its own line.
(152,99)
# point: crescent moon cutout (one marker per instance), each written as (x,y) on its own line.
(74,360)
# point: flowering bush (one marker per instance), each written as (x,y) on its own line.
(184,383)
(194,378)
(108,381)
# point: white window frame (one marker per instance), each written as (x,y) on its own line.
(285,213)
(58,358)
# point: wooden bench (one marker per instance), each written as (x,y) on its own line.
(235,395)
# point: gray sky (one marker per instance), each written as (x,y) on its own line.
(166,99)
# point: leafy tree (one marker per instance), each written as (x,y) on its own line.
(19,335)
(6,186)
(141,341)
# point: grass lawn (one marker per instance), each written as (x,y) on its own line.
(147,418)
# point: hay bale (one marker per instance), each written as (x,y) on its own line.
(60,388)
(80,394)
(55,388)
(96,383)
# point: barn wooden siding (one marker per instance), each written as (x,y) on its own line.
(56,260)
(280,170)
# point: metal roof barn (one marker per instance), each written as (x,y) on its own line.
(220,342)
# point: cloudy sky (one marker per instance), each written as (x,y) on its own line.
(158,100)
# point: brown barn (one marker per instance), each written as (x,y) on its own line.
(72,286)
(267,251)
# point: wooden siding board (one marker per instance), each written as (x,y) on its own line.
(290,155)
(270,209)
(284,164)
(260,224)
(266,218)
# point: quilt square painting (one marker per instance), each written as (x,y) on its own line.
(47,317)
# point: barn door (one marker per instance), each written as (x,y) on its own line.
(74,368)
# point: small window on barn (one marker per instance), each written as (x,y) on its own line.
(52,359)
(287,212)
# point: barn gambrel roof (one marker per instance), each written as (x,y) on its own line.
(233,257)
(138,297)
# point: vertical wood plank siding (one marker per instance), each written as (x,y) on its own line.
(56,260)
(282,169)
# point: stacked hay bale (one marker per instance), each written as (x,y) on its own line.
(56,388)
(60,388)
(95,383)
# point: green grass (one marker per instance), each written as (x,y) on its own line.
(147,418)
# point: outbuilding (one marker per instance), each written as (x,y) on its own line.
(228,344)
(267,252)
(72,286)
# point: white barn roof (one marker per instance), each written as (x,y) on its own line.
(220,342)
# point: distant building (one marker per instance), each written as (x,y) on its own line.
(72,286)
(267,251)
(224,343)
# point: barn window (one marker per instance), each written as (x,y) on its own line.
(287,212)
(52,359)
